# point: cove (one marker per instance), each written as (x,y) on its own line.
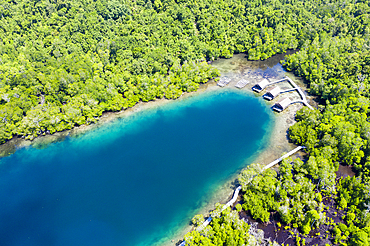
(133,181)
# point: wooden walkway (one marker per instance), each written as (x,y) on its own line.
(283,157)
(300,92)
(277,81)
(231,202)
(289,90)
(295,88)
(237,190)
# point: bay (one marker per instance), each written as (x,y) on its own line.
(132,181)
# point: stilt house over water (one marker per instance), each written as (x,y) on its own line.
(282,104)
(271,94)
(261,85)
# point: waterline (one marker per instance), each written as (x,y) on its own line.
(132,181)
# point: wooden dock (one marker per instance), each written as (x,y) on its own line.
(237,190)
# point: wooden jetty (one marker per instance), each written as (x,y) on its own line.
(230,203)
(282,158)
(237,190)
(224,81)
(241,83)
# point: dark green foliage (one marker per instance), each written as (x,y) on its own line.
(359,238)
(353,193)
(259,196)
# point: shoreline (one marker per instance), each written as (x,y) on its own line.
(265,155)
(274,147)
(271,149)
(42,141)
(254,74)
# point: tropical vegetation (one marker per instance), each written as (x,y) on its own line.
(307,195)
(63,63)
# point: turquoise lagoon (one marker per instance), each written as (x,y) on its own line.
(133,181)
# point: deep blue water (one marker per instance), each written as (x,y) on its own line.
(133,181)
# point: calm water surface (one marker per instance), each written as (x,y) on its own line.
(133,181)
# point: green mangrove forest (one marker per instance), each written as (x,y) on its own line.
(307,198)
(63,63)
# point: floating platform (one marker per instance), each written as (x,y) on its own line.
(241,83)
(224,81)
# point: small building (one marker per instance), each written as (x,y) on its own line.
(271,94)
(282,104)
(261,85)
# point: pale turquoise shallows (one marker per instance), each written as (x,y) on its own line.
(133,181)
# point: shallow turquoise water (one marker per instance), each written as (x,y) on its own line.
(133,181)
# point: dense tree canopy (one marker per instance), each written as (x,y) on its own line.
(333,41)
(64,63)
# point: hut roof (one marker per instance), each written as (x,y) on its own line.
(263,83)
(274,91)
(284,103)
(271,94)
